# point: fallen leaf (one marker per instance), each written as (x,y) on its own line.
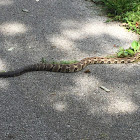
(87,71)
(137,24)
(115,46)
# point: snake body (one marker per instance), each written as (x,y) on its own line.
(68,68)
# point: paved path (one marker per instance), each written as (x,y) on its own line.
(56,106)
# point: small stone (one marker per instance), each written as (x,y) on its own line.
(104,88)
(68,125)
(25,10)
(10,49)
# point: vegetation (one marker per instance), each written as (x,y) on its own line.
(135,47)
(127,11)
(43,60)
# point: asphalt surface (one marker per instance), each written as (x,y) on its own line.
(58,106)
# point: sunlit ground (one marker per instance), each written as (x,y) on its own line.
(60,106)
(85,84)
(12,28)
(79,30)
(6,2)
(62,43)
(122,106)
(4,84)
(73,31)
(108,103)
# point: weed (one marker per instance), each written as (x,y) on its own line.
(125,11)
(43,60)
(135,47)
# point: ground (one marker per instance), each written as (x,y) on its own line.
(59,106)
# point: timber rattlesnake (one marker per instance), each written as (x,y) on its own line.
(68,68)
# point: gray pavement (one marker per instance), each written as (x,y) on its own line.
(58,106)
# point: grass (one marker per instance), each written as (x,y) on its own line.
(65,62)
(126,11)
(61,62)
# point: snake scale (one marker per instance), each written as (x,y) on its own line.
(68,68)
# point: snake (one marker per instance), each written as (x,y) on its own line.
(69,68)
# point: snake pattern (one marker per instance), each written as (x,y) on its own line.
(68,68)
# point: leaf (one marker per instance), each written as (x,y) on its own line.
(137,48)
(130,52)
(120,53)
(126,18)
(134,44)
(139,43)
(125,53)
